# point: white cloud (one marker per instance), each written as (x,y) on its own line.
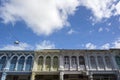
(105,46)
(113,44)
(21,46)
(117,7)
(116,44)
(100,29)
(102,9)
(90,46)
(71,31)
(47,16)
(42,16)
(25,46)
(45,45)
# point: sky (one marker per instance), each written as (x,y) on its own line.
(59,24)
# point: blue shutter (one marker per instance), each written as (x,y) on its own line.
(2,63)
(21,63)
(28,64)
(13,63)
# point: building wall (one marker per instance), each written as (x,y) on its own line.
(16,63)
(60,62)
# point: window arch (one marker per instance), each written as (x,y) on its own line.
(13,63)
(40,63)
(28,63)
(55,63)
(117,58)
(93,62)
(21,63)
(108,62)
(48,63)
(100,62)
(81,60)
(2,62)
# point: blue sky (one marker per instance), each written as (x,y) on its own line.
(59,24)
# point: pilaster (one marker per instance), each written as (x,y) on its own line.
(24,64)
(91,76)
(61,75)
(86,62)
(33,76)
(78,65)
(61,61)
(4,74)
(44,60)
(70,58)
(16,65)
(104,62)
(35,62)
(115,66)
(96,60)
(51,64)
(7,64)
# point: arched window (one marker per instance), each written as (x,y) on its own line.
(74,60)
(48,63)
(21,63)
(81,60)
(66,60)
(40,63)
(100,62)
(108,62)
(13,63)
(28,63)
(2,62)
(55,63)
(117,58)
(93,62)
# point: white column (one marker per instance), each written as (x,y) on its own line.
(86,62)
(7,64)
(97,65)
(24,65)
(3,77)
(78,65)
(70,58)
(33,76)
(61,62)
(104,62)
(91,77)
(115,66)
(16,64)
(35,62)
(44,60)
(61,76)
(89,63)
(51,64)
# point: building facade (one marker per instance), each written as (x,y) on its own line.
(60,64)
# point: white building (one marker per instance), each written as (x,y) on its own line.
(60,64)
